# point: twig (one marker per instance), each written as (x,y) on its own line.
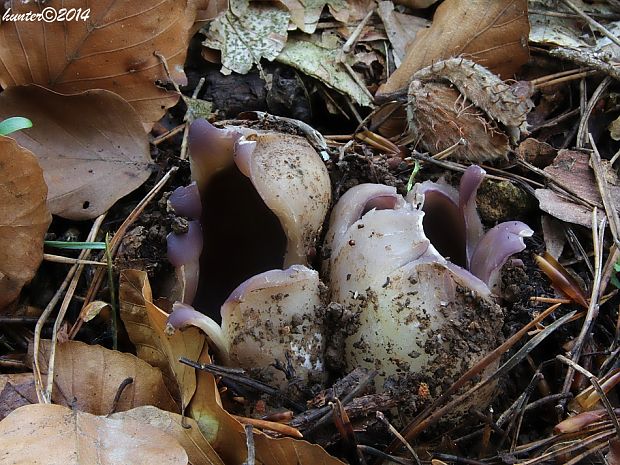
(45,396)
(598,231)
(395,432)
(249,438)
(586,59)
(119,392)
(596,385)
(111,286)
(173,132)
(70,261)
(116,242)
(382,455)
(582,133)
(592,22)
(281,428)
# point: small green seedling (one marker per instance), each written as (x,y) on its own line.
(411,181)
(76,245)
(16,123)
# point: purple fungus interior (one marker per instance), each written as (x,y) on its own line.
(242,237)
(444,226)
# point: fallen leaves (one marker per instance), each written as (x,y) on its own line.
(492,33)
(45,433)
(114,50)
(24,218)
(89,377)
(91,146)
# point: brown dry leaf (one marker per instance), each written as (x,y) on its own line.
(24,218)
(88,378)
(91,146)
(113,50)
(227,435)
(305,14)
(571,169)
(195,444)
(146,326)
(492,33)
(16,390)
(53,434)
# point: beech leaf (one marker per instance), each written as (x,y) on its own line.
(492,33)
(91,146)
(88,378)
(114,49)
(146,326)
(53,434)
(198,449)
(24,218)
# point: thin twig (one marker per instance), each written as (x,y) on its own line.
(70,261)
(44,396)
(592,22)
(582,133)
(116,242)
(395,432)
(249,438)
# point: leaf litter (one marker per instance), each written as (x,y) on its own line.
(404,94)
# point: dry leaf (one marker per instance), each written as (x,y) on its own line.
(305,14)
(247,33)
(146,326)
(53,434)
(227,435)
(198,449)
(24,218)
(492,33)
(112,50)
(92,146)
(416,3)
(88,378)
(16,390)
(571,168)
(400,28)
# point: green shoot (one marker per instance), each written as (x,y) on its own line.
(76,245)
(13,124)
(411,181)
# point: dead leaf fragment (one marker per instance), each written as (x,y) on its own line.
(16,390)
(53,434)
(146,326)
(112,50)
(400,28)
(247,33)
(492,33)
(198,449)
(305,14)
(91,146)
(571,169)
(88,378)
(24,218)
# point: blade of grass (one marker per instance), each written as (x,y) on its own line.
(76,245)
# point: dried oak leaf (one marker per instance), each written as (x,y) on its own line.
(88,378)
(492,33)
(91,146)
(146,326)
(195,444)
(53,434)
(113,49)
(24,218)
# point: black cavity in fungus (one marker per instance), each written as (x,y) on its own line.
(444,227)
(242,237)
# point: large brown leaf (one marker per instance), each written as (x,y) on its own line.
(492,33)
(146,326)
(88,378)
(91,146)
(114,50)
(195,444)
(24,218)
(53,434)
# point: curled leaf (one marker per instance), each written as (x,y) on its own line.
(24,218)
(560,278)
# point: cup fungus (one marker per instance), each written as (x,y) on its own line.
(418,273)
(265,196)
